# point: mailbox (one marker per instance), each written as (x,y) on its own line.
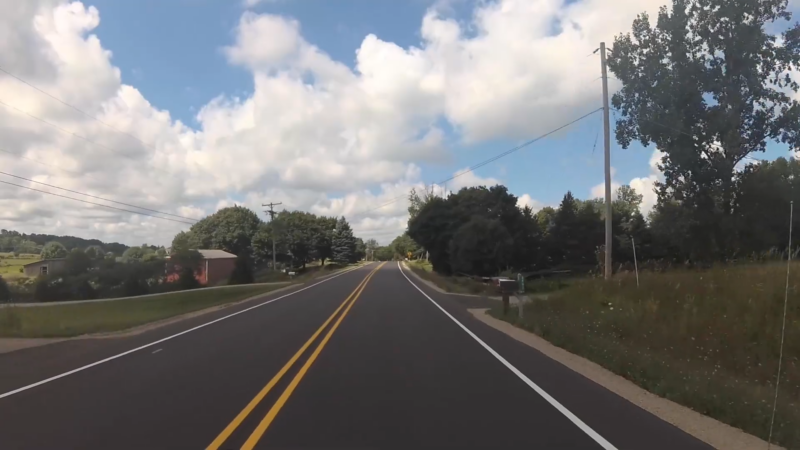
(507,286)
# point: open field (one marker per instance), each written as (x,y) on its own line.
(64,320)
(10,265)
(706,339)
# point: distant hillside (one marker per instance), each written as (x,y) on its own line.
(14,241)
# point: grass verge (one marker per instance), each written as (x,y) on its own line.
(465,285)
(708,340)
(302,275)
(63,320)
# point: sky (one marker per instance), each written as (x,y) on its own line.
(337,108)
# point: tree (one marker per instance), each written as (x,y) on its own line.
(371,245)
(343,244)
(94,252)
(181,241)
(53,250)
(708,85)
(480,247)
(181,259)
(230,229)
(361,250)
(5,292)
(77,262)
(242,270)
(133,254)
(323,238)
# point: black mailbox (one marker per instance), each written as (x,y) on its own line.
(507,286)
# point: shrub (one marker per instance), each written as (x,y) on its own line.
(187,280)
(5,292)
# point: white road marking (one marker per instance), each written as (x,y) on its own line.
(157,351)
(110,358)
(563,410)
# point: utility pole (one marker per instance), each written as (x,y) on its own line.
(607,145)
(271,213)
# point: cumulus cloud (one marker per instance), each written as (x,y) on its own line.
(312,126)
(642,185)
(527,200)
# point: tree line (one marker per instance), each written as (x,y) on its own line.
(300,237)
(15,242)
(481,231)
(709,86)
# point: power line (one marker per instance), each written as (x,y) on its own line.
(94,196)
(73,107)
(490,160)
(94,203)
(39,162)
(63,130)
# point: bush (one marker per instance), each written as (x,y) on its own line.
(242,271)
(5,292)
(187,280)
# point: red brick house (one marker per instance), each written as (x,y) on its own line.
(215,267)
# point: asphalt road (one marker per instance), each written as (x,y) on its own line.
(362,360)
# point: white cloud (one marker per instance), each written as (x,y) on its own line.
(527,200)
(311,127)
(642,185)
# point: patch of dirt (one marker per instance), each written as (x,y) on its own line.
(708,430)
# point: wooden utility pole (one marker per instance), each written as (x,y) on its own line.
(607,151)
(271,213)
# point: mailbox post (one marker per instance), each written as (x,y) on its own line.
(506,287)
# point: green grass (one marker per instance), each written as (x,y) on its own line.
(10,265)
(456,285)
(312,270)
(464,285)
(706,339)
(63,320)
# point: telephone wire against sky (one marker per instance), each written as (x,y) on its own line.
(97,204)
(488,161)
(74,107)
(96,197)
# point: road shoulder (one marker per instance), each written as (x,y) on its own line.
(706,429)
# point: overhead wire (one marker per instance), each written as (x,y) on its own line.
(96,197)
(490,160)
(95,203)
(73,107)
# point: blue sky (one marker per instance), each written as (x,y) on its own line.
(171,52)
(498,71)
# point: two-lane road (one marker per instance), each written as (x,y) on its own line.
(365,359)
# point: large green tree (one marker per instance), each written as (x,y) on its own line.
(708,85)
(54,250)
(481,247)
(343,243)
(230,229)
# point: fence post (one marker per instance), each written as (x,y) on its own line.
(635,264)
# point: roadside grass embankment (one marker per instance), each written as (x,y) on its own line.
(310,272)
(708,340)
(466,285)
(65,320)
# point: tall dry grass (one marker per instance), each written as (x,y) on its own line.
(706,339)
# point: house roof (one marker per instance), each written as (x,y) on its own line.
(216,254)
(43,261)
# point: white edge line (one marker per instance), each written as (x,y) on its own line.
(120,355)
(563,410)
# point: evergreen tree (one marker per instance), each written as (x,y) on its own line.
(343,244)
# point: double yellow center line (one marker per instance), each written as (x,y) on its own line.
(267,420)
